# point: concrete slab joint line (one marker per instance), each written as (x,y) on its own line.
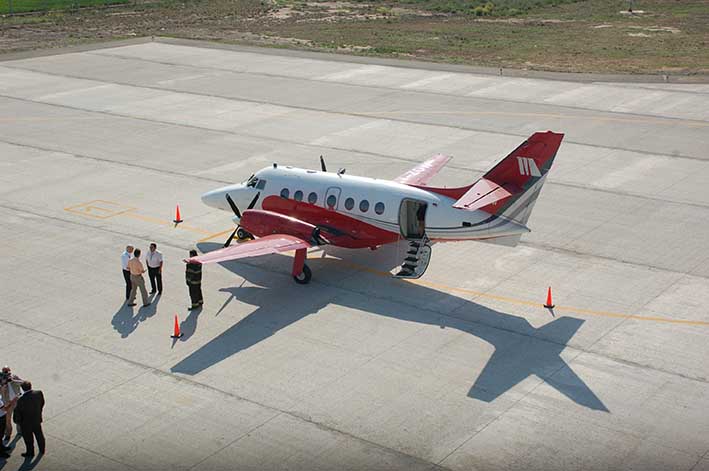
(354,114)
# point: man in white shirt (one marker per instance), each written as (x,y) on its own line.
(154,262)
(125,257)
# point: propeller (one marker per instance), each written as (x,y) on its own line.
(322,164)
(233,205)
(235,208)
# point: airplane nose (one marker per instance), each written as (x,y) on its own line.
(214,198)
(217,198)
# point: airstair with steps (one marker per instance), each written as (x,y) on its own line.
(417,258)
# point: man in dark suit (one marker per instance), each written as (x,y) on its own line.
(28,413)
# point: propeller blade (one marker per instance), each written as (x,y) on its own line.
(322,164)
(228,241)
(233,206)
(253,201)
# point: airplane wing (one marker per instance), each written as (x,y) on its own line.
(423,172)
(275,243)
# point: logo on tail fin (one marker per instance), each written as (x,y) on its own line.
(527,166)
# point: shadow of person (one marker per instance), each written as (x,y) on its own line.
(520,349)
(126,319)
(28,464)
(123,321)
(189,326)
(146,312)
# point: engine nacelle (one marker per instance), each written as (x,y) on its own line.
(262,223)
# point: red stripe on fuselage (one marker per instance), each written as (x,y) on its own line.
(346,231)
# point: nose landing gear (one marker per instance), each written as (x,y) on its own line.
(243,234)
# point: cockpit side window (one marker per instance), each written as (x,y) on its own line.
(261,184)
(252,181)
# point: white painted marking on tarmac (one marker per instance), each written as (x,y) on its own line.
(349,132)
(179,79)
(427,81)
(352,73)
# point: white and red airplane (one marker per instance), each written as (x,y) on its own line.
(295,209)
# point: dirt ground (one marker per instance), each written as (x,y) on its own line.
(668,37)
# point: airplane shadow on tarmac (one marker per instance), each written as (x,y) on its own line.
(521,350)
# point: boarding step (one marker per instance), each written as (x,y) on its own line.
(417,258)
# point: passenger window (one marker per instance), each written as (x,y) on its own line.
(313,198)
(364,206)
(379,208)
(285,193)
(349,203)
(298,195)
(331,201)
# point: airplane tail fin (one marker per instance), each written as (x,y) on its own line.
(511,187)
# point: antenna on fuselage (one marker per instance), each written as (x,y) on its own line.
(275,165)
(341,171)
(322,164)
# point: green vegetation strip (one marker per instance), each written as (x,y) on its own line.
(26,6)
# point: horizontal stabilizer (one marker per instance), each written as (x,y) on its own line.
(484,193)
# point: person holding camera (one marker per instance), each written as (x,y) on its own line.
(4,451)
(10,392)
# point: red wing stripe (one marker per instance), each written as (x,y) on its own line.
(275,243)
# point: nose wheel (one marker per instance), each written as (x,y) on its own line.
(304,277)
(243,234)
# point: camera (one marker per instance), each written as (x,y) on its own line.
(5,377)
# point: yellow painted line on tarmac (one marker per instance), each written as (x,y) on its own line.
(102,209)
(214,236)
(523,302)
(660,121)
(86,209)
(165,222)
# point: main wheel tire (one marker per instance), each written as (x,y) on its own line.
(243,234)
(304,277)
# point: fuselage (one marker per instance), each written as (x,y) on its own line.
(361,211)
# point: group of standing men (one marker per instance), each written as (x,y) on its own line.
(133,271)
(21,405)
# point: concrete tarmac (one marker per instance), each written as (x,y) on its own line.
(463,369)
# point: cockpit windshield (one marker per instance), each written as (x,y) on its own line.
(255,182)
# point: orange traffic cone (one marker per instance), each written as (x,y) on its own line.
(177,219)
(177,334)
(549,304)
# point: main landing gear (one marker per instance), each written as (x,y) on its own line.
(304,277)
(301,272)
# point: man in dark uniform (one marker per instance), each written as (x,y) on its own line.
(193,277)
(28,414)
